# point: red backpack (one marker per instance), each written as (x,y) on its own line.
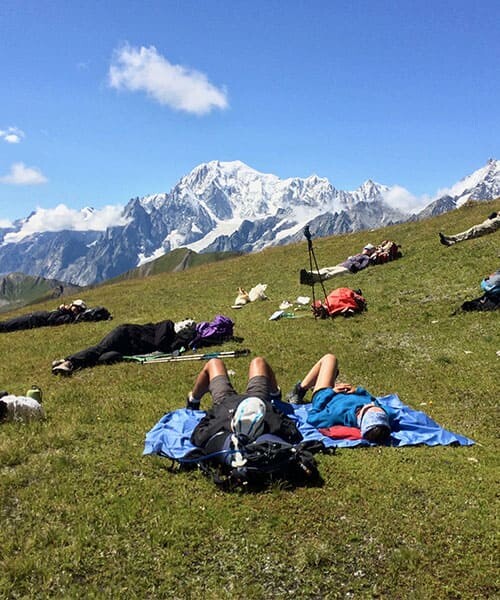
(342,301)
(386,251)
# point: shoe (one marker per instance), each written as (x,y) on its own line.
(275,396)
(63,368)
(296,395)
(443,240)
(306,278)
(192,403)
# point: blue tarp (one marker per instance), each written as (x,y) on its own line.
(171,435)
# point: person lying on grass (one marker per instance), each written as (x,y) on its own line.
(215,428)
(489,225)
(129,339)
(335,403)
(65,313)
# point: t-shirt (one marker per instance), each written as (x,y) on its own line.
(21,408)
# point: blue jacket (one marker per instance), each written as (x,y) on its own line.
(337,408)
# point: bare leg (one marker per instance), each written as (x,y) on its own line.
(323,374)
(211,369)
(260,367)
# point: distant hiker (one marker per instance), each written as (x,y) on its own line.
(490,300)
(130,339)
(370,255)
(490,225)
(251,413)
(336,403)
(65,313)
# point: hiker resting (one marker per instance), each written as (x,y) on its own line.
(216,427)
(65,313)
(335,403)
(490,225)
(129,339)
(352,264)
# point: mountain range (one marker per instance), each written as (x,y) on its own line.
(220,207)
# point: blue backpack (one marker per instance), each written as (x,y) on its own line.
(491,284)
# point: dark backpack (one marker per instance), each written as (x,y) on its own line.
(98,313)
(342,301)
(266,460)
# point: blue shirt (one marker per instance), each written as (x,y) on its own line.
(338,408)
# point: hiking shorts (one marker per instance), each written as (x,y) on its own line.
(221,388)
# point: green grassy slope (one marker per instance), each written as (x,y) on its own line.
(179,259)
(84,515)
(18,289)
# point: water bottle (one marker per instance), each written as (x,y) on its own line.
(35,392)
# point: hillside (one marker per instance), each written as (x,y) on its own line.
(84,514)
(176,260)
(18,289)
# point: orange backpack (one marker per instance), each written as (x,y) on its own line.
(341,301)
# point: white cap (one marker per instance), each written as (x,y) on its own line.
(79,303)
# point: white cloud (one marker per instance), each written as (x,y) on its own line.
(11,135)
(20,174)
(62,218)
(399,197)
(5,223)
(144,69)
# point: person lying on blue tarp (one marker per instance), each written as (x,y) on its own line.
(216,426)
(335,403)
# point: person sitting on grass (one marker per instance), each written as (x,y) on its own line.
(490,225)
(335,403)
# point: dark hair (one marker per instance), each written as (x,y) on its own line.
(378,434)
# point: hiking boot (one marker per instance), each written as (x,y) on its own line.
(306,278)
(63,368)
(192,403)
(275,396)
(296,395)
(444,240)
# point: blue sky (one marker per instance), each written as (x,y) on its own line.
(104,101)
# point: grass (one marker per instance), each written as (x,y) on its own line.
(84,515)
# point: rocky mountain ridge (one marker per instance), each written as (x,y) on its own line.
(221,206)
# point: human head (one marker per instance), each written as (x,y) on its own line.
(78,305)
(375,425)
(368,249)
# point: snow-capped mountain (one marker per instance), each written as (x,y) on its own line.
(218,206)
(483,184)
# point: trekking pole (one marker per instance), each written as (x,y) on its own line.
(312,257)
(206,356)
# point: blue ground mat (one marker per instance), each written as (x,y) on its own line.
(171,435)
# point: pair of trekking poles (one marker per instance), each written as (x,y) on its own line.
(318,312)
(168,358)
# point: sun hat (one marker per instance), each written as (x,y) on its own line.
(373,418)
(79,303)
